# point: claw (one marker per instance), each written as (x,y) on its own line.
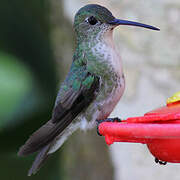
(98,130)
(116,119)
(97,126)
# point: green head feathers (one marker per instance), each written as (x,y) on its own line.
(101,14)
(92,19)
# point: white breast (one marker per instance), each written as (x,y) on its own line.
(105,47)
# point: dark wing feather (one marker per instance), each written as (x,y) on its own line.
(63,115)
(40,158)
(66,102)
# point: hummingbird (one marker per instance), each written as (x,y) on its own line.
(92,87)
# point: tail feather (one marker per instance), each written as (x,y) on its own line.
(40,158)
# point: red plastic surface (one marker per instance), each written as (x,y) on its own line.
(165,113)
(159,129)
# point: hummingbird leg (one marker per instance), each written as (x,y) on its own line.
(116,119)
(160,162)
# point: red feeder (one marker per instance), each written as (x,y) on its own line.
(159,129)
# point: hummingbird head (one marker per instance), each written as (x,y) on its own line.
(93,19)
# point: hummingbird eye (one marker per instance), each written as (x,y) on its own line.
(92,20)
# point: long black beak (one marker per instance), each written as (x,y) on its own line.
(131,23)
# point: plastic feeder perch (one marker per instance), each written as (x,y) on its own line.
(158,129)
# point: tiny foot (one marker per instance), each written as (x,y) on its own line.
(160,162)
(116,119)
(97,129)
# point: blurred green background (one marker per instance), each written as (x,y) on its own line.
(28,81)
(36,43)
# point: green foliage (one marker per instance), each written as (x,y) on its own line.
(15,83)
(27,83)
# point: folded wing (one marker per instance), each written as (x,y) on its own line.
(72,101)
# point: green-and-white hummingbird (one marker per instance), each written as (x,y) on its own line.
(92,88)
